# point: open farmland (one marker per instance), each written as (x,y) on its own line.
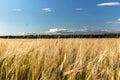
(59,59)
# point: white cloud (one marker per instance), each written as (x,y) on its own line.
(118,19)
(109,4)
(114,22)
(79,9)
(47,9)
(21,33)
(17,10)
(62,30)
(55,30)
(80,31)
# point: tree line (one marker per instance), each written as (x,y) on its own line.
(65,36)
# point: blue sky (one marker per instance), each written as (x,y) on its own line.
(36,16)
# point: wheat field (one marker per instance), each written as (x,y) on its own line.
(59,59)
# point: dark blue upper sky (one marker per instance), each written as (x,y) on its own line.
(41,15)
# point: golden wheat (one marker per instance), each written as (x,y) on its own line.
(59,59)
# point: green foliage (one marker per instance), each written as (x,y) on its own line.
(65,36)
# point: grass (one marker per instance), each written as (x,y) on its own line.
(60,59)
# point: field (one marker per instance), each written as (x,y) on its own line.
(60,59)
